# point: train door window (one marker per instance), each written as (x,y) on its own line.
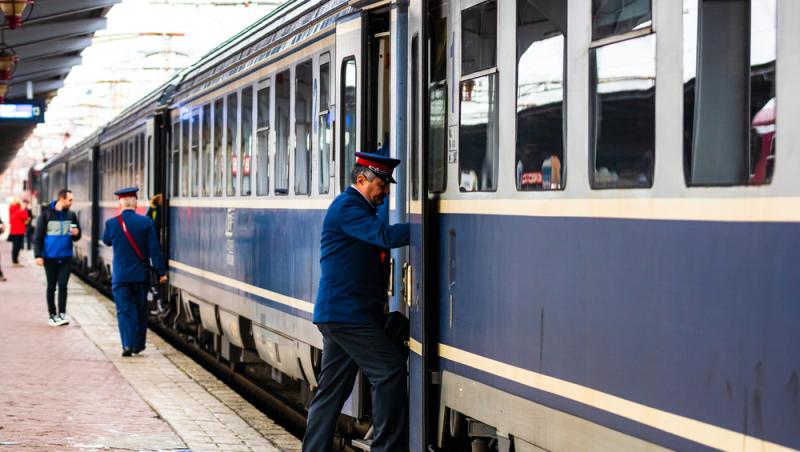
(541,33)
(184,153)
(478,128)
(622,99)
(377,104)
(195,151)
(219,154)
(349,119)
(232,143)
(413,164)
(437,101)
(262,139)
(282,105)
(208,168)
(175,158)
(325,123)
(302,128)
(729,84)
(247,140)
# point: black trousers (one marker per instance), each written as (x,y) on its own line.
(17,241)
(57,271)
(345,349)
(29,237)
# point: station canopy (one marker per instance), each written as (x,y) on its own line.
(48,45)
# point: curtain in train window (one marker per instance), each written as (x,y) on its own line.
(302,129)
(616,17)
(729,91)
(349,119)
(437,105)
(262,141)
(219,153)
(231,143)
(208,168)
(175,158)
(325,123)
(247,140)
(195,151)
(282,105)
(478,128)
(541,32)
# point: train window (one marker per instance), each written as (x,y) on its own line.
(729,84)
(617,17)
(195,151)
(437,107)
(478,128)
(413,164)
(175,160)
(208,168)
(232,143)
(302,128)
(325,122)
(142,173)
(623,110)
(130,159)
(219,154)
(262,140)
(247,140)
(184,154)
(282,105)
(541,32)
(349,119)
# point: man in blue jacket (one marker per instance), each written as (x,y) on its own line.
(349,311)
(135,244)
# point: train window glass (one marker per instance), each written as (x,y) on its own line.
(175,160)
(262,141)
(349,119)
(142,172)
(247,140)
(184,154)
(479,37)
(413,164)
(438,49)
(478,135)
(302,128)
(541,31)
(219,154)
(325,123)
(622,130)
(617,17)
(437,107)
(729,84)
(282,105)
(208,168)
(232,143)
(195,151)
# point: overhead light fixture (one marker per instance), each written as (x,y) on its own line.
(3,91)
(8,61)
(13,10)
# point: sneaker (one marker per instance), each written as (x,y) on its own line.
(52,321)
(62,319)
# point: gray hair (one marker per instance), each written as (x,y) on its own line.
(361,169)
(128,202)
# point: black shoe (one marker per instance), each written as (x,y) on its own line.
(126,352)
(138,350)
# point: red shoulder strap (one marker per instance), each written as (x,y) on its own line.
(130,239)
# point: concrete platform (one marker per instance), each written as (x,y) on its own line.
(68,388)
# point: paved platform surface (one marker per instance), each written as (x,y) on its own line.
(68,388)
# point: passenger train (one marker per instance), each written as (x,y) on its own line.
(605,215)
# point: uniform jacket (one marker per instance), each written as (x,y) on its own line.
(127,267)
(17,218)
(53,239)
(353,281)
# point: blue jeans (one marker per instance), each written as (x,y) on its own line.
(131,302)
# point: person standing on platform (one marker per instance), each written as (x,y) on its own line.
(29,228)
(136,248)
(18,219)
(56,229)
(2,230)
(349,311)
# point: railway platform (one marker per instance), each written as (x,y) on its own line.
(68,388)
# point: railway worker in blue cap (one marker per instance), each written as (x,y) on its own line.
(136,247)
(349,311)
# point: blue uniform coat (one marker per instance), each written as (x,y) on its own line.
(127,267)
(353,281)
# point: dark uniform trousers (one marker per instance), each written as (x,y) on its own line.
(346,348)
(131,301)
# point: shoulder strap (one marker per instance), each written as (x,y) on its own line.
(130,239)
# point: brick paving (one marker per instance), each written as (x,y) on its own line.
(67,388)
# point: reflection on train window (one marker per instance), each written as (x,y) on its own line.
(413,164)
(623,113)
(195,150)
(247,140)
(478,135)
(232,143)
(219,155)
(208,168)
(175,158)
(184,153)
(541,29)
(437,104)
(729,85)
(302,129)
(325,123)
(262,141)
(479,37)
(282,105)
(616,17)
(349,120)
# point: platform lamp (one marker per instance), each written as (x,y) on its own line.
(13,10)
(8,61)
(3,91)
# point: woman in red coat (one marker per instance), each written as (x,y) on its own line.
(18,220)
